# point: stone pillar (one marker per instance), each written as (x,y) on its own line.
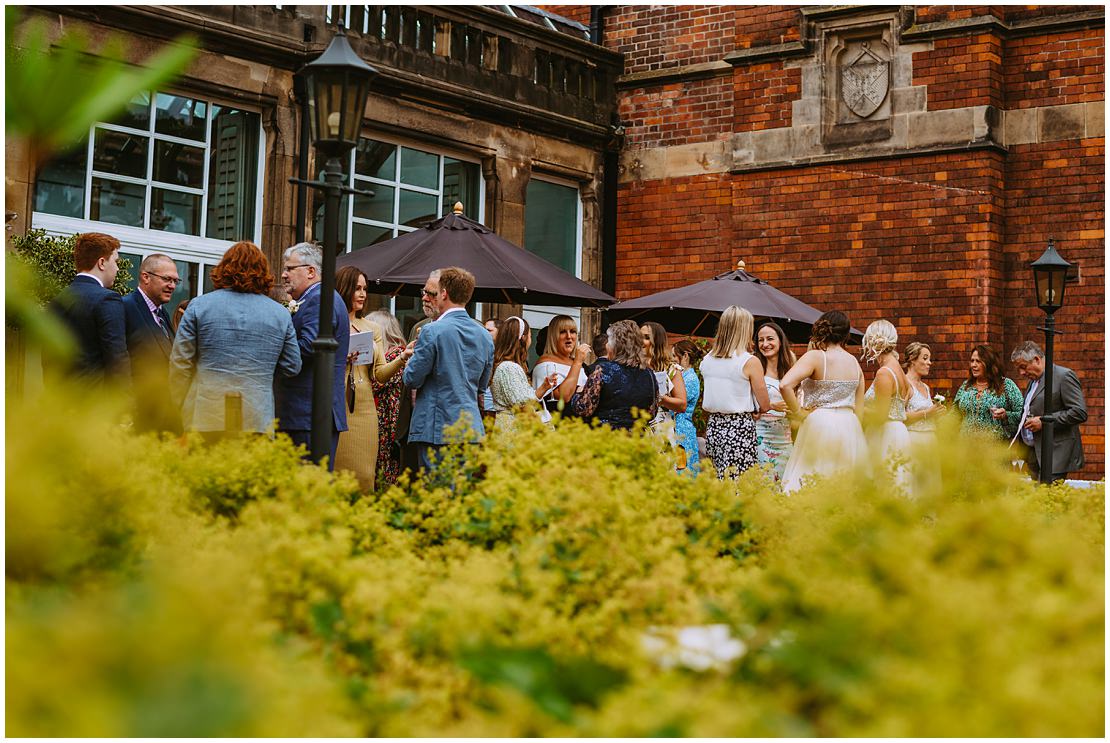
(279,122)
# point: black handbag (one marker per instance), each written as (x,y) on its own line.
(350,391)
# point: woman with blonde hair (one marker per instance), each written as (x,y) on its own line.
(618,385)
(668,375)
(734,390)
(830,440)
(557,358)
(921,410)
(509,385)
(387,399)
(885,403)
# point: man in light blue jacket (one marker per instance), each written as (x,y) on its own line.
(452,362)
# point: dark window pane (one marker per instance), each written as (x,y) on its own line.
(378,207)
(60,186)
(118,153)
(173,211)
(416,209)
(376,159)
(208,286)
(117,203)
(363,235)
(551,223)
(461,182)
(419,168)
(233,174)
(187,289)
(178,164)
(137,113)
(180,116)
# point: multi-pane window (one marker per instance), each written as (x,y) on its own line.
(410,186)
(169,162)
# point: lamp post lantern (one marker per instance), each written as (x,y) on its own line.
(336,83)
(1049,277)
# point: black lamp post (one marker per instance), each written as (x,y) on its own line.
(1050,272)
(336,84)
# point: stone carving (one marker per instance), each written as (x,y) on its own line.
(865,82)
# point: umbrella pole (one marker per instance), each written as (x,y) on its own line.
(700,323)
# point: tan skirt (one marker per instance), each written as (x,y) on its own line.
(358,445)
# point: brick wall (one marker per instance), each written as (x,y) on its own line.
(580,13)
(1056,190)
(1054,70)
(962,71)
(937,243)
(678,113)
(654,37)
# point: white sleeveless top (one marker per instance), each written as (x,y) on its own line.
(727,387)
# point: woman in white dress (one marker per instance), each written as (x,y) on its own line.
(921,415)
(830,440)
(557,358)
(509,386)
(885,401)
(772,430)
(734,390)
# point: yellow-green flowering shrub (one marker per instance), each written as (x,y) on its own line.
(165,587)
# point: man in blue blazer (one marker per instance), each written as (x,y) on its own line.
(451,363)
(94,313)
(149,342)
(301,274)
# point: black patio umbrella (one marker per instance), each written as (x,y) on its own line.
(503,271)
(695,309)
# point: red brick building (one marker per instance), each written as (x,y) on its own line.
(896,162)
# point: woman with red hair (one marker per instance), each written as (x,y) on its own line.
(233,340)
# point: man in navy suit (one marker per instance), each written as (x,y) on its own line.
(301,275)
(451,364)
(94,313)
(149,342)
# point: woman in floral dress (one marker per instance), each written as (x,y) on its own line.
(772,430)
(387,398)
(988,402)
(688,354)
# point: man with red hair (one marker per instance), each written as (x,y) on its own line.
(93,312)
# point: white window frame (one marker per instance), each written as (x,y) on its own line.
(355,180)
(143,241)
(539,316)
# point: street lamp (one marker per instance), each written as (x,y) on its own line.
(1050,272)
(337,83)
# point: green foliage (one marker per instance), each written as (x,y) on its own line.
(232,590)
(55,89)
(50,258)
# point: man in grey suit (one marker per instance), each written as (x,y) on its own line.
(1069,409)
(452,362)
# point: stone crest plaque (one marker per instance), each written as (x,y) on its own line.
(865,82)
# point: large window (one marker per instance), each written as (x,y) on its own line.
(553,231)
(170,162)
(412,186)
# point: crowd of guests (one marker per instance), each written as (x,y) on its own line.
(393,399)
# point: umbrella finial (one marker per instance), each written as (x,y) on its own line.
(458,207)
(740,264)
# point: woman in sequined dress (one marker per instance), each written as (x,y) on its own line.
(830,440)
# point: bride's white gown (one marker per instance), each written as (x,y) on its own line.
(831,438)
(891,440)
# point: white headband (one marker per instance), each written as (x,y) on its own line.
(521,320)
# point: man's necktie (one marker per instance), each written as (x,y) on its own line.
(162,320)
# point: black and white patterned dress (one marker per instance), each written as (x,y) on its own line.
(730,442)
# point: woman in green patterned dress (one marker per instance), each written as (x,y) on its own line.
(987,401)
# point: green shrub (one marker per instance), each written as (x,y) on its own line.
(232,590)
(51,259)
